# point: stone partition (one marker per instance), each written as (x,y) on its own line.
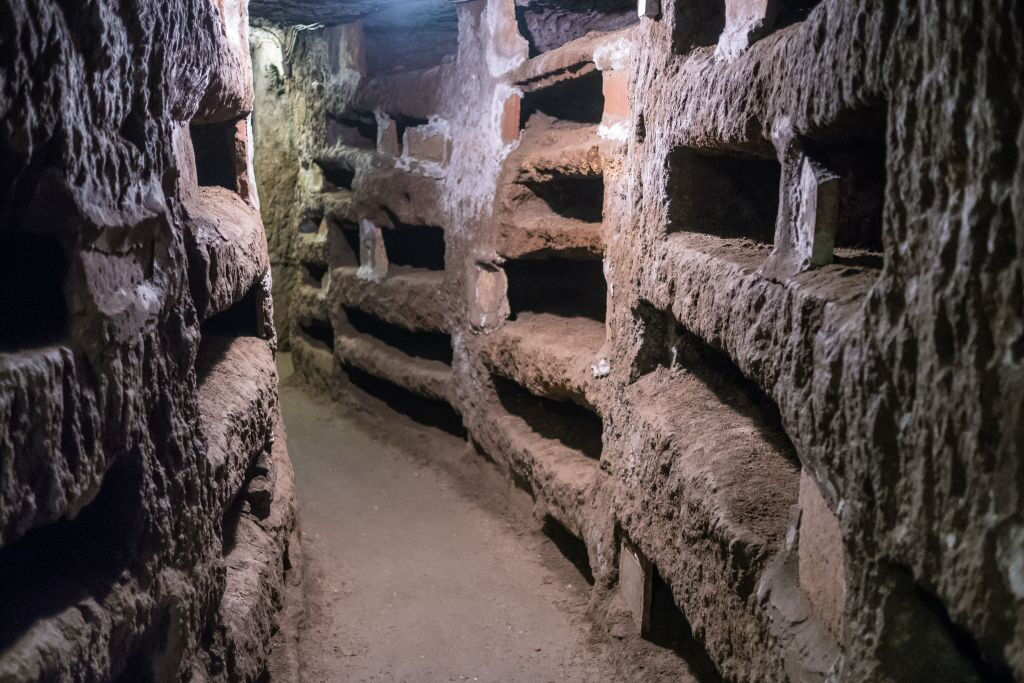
(146,495)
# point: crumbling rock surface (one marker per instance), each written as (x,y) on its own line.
(134,298)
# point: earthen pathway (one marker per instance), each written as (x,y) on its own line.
(411,571)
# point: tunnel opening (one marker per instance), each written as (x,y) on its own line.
(549,24)
(570,424)
(317,333)
(579,99)
(215,152)
(576,197)
(415,246)
(33,268)
(558,286)
(410,37)
(572,548)
(697,24)
(56,566)
(435,346)
(426,411)
(669,628)
(727,196)
(352,128)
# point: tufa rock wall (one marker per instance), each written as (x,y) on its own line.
(734,288)
(146,498)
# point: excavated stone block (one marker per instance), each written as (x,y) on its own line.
(822,564)
(373,259)
(427,144)
(745,22)
(488,302)
(615,85)
(635,580)
(510,113)
(387,136)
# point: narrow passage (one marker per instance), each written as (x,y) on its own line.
(411,575)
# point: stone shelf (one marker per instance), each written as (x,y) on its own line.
(550,355)
(416,299)
(428,378)
(237,386)
(227,248)
(571,60)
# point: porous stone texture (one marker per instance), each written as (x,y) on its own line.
(651,334)
(146,498)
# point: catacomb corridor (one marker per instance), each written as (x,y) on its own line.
(512,340)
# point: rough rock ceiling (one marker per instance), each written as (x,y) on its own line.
(291,12)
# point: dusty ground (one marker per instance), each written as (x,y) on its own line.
(410,573)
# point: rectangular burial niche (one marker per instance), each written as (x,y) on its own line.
(435,346)
(570,424)
(427,411)
(215,152)
(403,123)
(666,343)
(56,566)
(241,319)
(579,99)
(342,243)
(548,24)
(559,286)
(414,246)
(572,548)
(855,150)
(337,174)
(669,628)
(317,333)
(33,268)
(698,23)
(352,128)
(580,198)
(313,274)
(724,195)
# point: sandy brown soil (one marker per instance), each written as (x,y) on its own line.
(410,573)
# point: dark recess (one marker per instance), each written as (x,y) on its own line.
(572,548)
(577,197)
(214,145)
(318,333)
(559,286)
(33,269)
(435,346)
(313,274)
(670,629)
(855,149)
(241,319)
(426,411)
(352,128)
(403,122)
(56,566)
(549,24)
(570,424)
(338,175)
(793,11)
(416,246)
(698,23)
(723,195)
(342,244)
(666,343)
(579,99)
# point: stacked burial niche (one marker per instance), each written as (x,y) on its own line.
(696,320)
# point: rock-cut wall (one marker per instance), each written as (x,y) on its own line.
(146,500)
(732,290)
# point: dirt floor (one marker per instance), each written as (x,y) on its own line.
(412,571)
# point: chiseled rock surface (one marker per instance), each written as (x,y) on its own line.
(890,379)
(112,559)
